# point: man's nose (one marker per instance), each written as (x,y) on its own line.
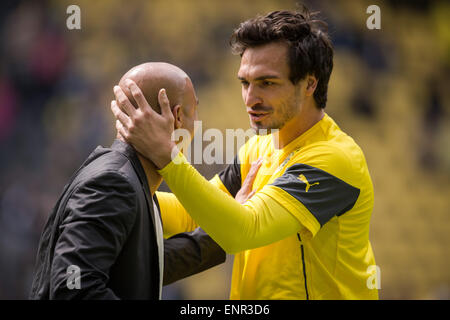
(251,96)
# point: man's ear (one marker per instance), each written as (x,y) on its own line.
(177,115)
(311,85)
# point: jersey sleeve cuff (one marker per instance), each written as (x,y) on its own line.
(177,160)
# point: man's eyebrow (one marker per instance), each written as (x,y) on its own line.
(264,77)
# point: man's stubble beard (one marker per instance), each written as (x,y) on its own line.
(288,112)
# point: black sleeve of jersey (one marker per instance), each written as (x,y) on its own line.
(321,193)
(231,177)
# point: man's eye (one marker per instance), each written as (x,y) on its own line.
(267,83)
(244,83)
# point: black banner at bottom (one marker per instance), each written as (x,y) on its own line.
(213,309)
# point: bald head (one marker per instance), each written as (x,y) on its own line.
(153,76)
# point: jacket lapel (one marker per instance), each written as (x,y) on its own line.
(129,152)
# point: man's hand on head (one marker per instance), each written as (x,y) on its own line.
(150,133)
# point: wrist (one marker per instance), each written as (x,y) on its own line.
(167,172)
(171,151)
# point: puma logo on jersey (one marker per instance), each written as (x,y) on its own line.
(303,179)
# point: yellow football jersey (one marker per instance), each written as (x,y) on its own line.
(321,178)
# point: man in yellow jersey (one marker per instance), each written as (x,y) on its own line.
(304,233)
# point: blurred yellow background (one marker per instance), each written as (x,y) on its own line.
(388,90)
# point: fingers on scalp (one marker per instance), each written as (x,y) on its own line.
(164,101)
(121,98)
(118,93)
(123,102)
(162,97)
(114,107)
(121,129)
(119,114)
(163,94)
(139,97)
(135,90)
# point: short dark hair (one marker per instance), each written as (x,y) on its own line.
(309,48)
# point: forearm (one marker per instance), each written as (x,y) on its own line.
(189,253)
(174,216)
(235,227)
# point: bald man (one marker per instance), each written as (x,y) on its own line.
(104,239)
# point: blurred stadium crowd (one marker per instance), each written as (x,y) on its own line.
(388,90)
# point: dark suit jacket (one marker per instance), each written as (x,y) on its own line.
(104,224)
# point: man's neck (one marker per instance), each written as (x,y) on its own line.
(297,126)
(154,179)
